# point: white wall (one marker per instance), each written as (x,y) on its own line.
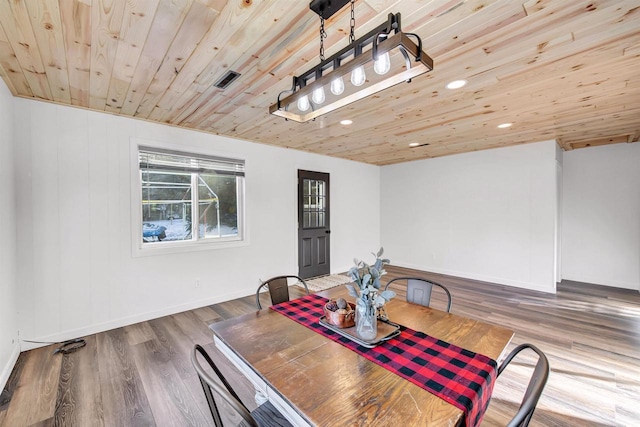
(488,215)
(76,268)
(9,345)
(601,218)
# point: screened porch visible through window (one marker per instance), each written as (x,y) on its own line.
(189,197)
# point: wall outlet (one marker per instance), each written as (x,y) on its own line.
(197,284)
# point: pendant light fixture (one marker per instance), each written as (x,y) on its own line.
(379,60)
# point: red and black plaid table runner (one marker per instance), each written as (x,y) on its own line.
(462,378)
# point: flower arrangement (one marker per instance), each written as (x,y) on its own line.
(367,277)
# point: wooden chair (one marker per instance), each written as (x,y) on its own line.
(263,415)
(419,291)
(534,389)
(278,289)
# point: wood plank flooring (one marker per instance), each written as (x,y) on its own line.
(141,375)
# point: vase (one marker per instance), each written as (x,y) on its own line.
(366,320)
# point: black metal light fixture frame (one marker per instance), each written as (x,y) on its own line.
(383,39)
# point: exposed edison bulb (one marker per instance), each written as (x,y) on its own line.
(382,65)
(358,77)
(318,95)
(303,103)
(337,86)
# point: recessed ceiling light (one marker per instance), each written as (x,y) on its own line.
(346,122)
(414,144)
(505,125)
(456,84)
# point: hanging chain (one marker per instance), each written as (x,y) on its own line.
(352,35)
(323,35)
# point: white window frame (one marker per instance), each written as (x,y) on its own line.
(170,247)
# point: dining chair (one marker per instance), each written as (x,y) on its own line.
(278,289)
(534,389)
(264,415)
(419,290)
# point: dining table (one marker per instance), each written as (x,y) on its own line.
(314,380)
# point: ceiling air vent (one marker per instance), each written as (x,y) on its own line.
(227,79)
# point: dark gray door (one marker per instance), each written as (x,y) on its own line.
(313,224)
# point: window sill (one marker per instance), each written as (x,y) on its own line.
(169,248)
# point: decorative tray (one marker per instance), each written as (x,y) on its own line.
(386,331)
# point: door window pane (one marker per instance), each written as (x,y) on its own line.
(314,203)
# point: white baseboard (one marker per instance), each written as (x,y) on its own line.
(601,281)
(8,367)
(490,279)
(129,320)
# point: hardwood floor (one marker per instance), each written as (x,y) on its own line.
(141,375)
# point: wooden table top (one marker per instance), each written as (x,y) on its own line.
(334,386)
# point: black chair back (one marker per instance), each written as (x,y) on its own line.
(534,389)
(278,289)
(212,389)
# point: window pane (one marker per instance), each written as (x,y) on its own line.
(217,206)
(166,206)
(180,190)
(313,203)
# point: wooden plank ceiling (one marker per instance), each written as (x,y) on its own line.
(556,69)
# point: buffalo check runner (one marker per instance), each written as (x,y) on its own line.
(461,377)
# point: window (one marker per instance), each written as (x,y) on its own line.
(313,193)
(189,197)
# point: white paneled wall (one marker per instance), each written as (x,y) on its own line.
(601,215)
(9,345)
(488,215)
(67,262)
(76,268)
